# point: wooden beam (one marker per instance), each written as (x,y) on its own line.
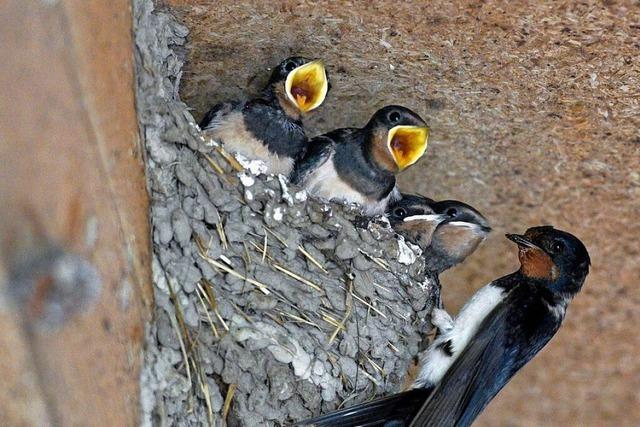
(72,178)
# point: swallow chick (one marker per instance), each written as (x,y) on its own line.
(414,218)
(359,165)
(500,329)
(457,236)
(269,127)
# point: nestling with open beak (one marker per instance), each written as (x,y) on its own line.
(269,127)
(359,165)
(498,331)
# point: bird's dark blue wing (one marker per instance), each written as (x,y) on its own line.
(393,411)
(319,150)
(514,332)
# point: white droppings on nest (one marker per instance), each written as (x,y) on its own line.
(256,167)
(246,180)
(278,214)
(248,195)
(406,253)
(415,248)
(383,220)
(301,196)
(286,196)
(209,142)
(301,362)
(426,285)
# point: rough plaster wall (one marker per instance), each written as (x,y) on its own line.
(285,272)
(535,118)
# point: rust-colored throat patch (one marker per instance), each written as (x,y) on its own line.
(537,264)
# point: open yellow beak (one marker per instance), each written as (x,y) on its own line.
(407,144)
(307,86)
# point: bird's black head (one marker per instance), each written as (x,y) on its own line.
(458,236)
(413,217)
(299,84)
(397,137)
(558,258)
(462,215)
(410,205)
(280,73)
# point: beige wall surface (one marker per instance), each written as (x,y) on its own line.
(534,110)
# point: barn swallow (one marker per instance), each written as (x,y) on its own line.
(447,231)
(359,165)
(457,236)
(269,127)
(414,218)
(499,330)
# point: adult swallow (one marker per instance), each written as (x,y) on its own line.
(457,236)
(269,127)
(414,218)
(359,165)
(501,328)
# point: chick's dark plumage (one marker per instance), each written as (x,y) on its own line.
(358,165)
(269,127)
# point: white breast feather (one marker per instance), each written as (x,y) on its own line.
(324,182)
(230,130)
(434,362)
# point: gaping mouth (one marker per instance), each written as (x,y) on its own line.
(307,86)
(407,144)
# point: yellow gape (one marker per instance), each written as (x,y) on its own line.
(407,144)
(307,86)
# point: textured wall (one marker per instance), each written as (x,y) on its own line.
(534,113)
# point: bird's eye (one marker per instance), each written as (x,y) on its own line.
(394,117)
(400,212)
(290,66)
(452,212)
(557,246)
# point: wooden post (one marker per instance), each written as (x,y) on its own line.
(72,179)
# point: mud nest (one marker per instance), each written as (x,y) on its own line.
(270,307)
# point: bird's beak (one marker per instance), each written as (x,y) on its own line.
(522,241)
(472,225)
(434,218)
(307,86)
(407,144)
